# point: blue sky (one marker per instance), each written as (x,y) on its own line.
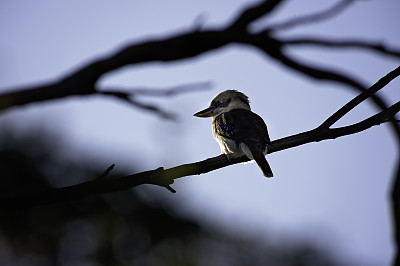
(334,193)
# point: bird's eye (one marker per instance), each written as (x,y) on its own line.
(218,103)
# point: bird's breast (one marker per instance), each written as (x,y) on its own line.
(228,146)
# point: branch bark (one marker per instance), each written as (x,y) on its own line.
(165,177)
(319,42)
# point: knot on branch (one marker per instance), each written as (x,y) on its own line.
(160,178)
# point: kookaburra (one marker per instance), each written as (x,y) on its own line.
(237,129)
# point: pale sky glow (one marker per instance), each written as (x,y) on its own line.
(334,193)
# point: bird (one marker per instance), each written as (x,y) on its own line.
(238,131)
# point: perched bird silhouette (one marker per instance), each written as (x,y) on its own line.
(237,129)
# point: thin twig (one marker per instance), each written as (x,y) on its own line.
(377,47)
(253,13)
(163,92)
(381,83)
(126,97)
(106,172)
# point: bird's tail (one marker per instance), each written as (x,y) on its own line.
(263,164)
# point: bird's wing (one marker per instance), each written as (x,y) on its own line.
(242,125)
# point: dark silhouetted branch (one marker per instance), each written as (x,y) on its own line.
(253,13)
(361,97)
(165,177)
(182,46)
(128,96)
(318,41)
(106,172)
(395,197)
(322,133)
(164,92)
(83,81)
(274,49)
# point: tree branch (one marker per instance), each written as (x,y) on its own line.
(395,197)
(376,47)
(83,81)
(361,97)
(164,92)
(324,133)
(128,96)
(253,13)
(274,49)
(165,177)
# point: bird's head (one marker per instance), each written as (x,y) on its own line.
(224,102)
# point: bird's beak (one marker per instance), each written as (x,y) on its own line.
(205,113)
